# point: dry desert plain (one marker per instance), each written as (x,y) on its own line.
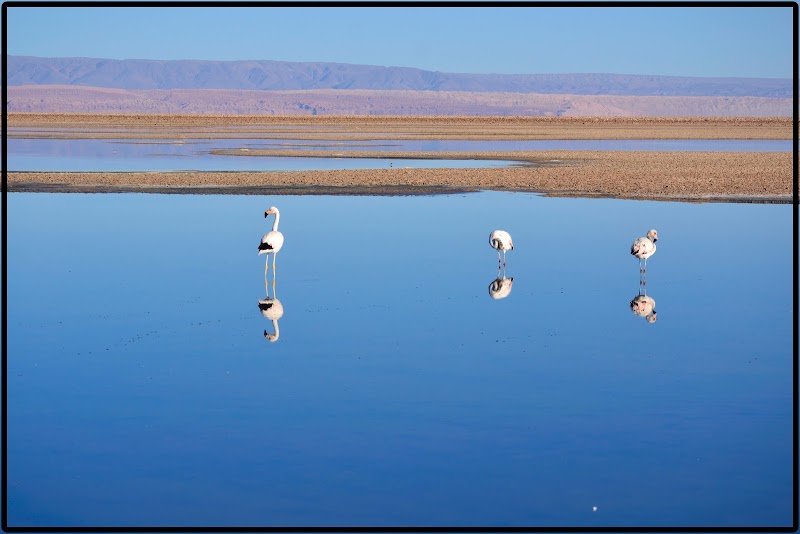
(687,176)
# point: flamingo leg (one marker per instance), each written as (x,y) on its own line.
(274,256)
(644,276)
(642,279)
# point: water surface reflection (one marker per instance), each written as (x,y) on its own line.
(94,155)
(406,386)
(272,309)
(642,305)
(500,287)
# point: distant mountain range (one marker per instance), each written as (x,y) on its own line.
(135,74)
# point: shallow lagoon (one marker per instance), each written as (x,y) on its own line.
(142,391)
(99,155)
(94,155)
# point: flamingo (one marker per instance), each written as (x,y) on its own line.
(643,248)
(501,240)
(272,241)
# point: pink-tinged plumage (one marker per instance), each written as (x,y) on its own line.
(644,306)
(644,247)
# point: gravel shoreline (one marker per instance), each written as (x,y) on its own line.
(696,176)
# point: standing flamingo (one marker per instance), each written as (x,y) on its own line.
(272,241)
(501,240)
(643,248)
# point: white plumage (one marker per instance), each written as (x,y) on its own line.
(643,248)
(272,241)
(501,240)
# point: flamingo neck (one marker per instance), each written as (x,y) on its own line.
(277,333)
(277,219)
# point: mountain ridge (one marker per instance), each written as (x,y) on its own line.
(274,75)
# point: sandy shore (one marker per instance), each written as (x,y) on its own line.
(686,176)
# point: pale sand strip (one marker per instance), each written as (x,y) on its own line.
(128,126)
(695,176)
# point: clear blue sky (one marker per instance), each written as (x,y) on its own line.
(685,41)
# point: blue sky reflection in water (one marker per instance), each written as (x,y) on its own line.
(142,391)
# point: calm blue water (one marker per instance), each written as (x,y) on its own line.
(94,155)
(117,155)
(141,389)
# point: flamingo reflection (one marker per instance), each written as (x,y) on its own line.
(642,305)
(500,287)
(272,309)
